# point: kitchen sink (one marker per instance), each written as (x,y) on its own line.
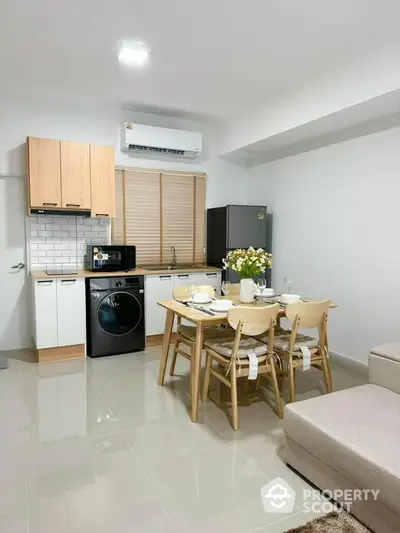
(166,267)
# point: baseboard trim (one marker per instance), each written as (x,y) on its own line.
(60,353)
(351,364)
(157,340)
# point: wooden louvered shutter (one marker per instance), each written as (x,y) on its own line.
(142,215)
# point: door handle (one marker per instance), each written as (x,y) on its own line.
(49,203)
(20,265)
(73,205)
(101,214)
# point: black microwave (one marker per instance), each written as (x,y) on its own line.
(116,258)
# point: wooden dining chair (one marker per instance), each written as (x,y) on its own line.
(288,344)
(234,290)
(185,334)
(231,350)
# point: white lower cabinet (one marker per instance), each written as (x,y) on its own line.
(208,278)
(45,313)
(160,287)
(71,311)
(157,287)
(59,312)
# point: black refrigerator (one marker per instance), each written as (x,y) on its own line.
(237,226)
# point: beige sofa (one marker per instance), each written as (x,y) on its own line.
(350,439)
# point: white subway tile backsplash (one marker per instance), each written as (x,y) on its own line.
(61,246)
(59,239)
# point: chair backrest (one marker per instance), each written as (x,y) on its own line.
(234,290)
(182,293)
(254,320)
(309,314)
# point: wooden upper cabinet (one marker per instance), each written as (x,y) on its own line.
(44,172)
(102,175)
(75,175)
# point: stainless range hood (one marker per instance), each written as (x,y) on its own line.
(62,212)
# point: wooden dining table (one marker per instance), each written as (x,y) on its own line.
(201,320)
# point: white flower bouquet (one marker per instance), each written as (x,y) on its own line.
(248,263)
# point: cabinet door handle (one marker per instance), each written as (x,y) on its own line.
(68,280)
(164,277)
(212,275)
(183,276)
(49,203)
(73,205)
(101,214)
(45,281)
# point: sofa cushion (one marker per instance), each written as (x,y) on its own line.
(356,432)
(390,350)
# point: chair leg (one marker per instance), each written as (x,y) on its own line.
(192,350)
(258,383)
(234,397)
(276,390)
(174,356)
(292,395)
(326,370)
(207,377)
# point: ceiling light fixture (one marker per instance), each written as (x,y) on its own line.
(133,53)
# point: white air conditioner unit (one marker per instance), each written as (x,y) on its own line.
(151,140)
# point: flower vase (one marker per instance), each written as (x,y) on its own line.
(246,290)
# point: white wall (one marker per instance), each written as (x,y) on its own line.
(227,183)
(336,234)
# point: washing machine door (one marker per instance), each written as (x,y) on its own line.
(119,313)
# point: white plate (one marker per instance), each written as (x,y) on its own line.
(196,302)
(218,309)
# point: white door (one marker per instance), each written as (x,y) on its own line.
(71,311)
(157,288)
(45,313)
(14,290)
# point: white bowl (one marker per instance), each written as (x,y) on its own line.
(268,292)
(221,305)
(201,298)
(290,298)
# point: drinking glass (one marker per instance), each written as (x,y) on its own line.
(261,283)
(192,288)
(226,287)
(287,284)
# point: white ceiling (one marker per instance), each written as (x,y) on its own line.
(215,58)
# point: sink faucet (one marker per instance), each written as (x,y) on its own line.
(172,249)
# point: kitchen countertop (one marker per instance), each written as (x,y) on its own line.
(41,274)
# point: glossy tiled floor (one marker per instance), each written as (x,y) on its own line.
(96,447)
